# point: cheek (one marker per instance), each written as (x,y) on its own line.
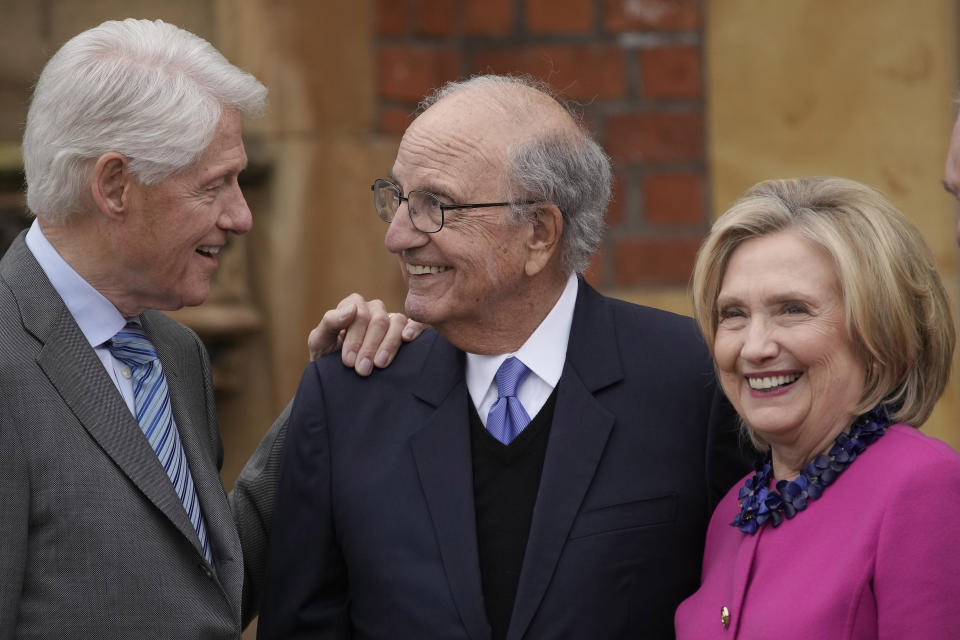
(485,257)
(840,364)
(724,356)
(725,351)
(502,264)
(825,349)
(731,383)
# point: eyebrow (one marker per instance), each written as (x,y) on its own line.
(723,301)
(779,298)
(435,190)
(227,168)
(223,172)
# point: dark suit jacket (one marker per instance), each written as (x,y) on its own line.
(94,542)
(374,532)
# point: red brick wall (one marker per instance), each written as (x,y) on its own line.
(635,66)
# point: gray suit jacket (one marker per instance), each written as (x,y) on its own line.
(95,542)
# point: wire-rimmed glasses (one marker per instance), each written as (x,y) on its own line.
(426,210)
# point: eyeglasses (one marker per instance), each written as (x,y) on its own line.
(426,210)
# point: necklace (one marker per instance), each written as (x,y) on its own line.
(759,504)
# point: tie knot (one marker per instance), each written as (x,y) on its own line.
(131,346)
(509,376)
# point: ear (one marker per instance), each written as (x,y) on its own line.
(544,240)
(110,184)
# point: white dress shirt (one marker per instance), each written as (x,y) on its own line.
(96,316)
(543,353)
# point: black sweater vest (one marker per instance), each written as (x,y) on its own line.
(506,479)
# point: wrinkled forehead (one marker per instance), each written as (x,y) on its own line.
(471,118)
(455,148)
(467,136)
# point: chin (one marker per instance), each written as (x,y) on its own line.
(194,298)
(773,430)
(415,314)
(419,309)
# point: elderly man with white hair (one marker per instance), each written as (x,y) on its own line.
(113,520)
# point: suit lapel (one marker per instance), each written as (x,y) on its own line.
(77,375)
(578,435)
(187,399)
(441,450)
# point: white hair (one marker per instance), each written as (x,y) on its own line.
(146,89)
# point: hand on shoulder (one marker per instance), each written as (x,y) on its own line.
(365,333)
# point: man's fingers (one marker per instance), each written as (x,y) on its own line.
(411,329)
(391,341)
(375,327)
(365,333)
(327,336)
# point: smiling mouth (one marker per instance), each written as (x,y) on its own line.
(208,251)
(422,269)
(765,383)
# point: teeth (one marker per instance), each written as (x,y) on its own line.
(209,250)
(421,269)
(769,382)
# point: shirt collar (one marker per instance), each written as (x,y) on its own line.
(544,352)
(96,316)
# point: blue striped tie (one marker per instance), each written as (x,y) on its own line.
(151,400)
(507,417)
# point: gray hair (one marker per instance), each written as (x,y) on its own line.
(146,89)
(565,167)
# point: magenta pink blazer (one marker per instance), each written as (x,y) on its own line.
(876,557)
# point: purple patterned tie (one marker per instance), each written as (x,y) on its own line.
(507,417)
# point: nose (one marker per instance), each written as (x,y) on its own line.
(402,235)
(759,343)
(235,216)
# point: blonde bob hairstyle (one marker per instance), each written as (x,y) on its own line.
(895,305)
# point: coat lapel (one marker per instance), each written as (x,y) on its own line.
(742,572)
(187,400)
(77,375)
(578,435)
(441,450)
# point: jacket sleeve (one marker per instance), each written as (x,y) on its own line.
(251,502)
(305,593)
(14,518)
(917,566)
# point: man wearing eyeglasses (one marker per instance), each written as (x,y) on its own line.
(542,461)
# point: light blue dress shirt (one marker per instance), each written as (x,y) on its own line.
(96,316)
